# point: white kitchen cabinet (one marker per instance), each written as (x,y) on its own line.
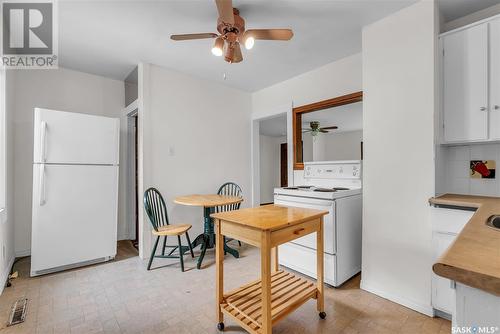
(443,295)
(446,225)
(495,79)
(465,84)
(476,308)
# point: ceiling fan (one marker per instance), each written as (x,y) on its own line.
(315,129)
(231,28)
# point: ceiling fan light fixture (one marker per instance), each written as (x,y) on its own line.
(218,47)
(232,34)
(249,42)
(229,53)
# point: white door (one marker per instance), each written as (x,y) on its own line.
(74,214)
(328,220)
(465,86)
(443,295)
(71,138)
(495,79)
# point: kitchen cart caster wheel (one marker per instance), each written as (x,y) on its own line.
(322,315)
(220,326)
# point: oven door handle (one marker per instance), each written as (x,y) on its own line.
(303,200)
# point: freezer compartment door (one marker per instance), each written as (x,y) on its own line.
(71,138)
(309,240)
(74,214)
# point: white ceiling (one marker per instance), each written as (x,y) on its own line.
(110,37)
(454,9)
(348,117)
(274,127)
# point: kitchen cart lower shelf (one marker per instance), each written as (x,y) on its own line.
(288,292)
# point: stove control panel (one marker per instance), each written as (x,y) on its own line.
(333,171)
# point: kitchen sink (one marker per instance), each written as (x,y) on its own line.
(494,221)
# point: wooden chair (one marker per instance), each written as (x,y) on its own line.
(156,210)
(229,189)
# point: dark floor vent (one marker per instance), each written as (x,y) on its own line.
(18,312)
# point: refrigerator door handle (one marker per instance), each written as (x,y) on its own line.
(42,185)
(43,135)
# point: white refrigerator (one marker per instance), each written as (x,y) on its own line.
(75,190)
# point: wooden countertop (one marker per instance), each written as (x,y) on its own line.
(269,217)
(474,258)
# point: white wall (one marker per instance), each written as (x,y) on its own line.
(7,226)
(195,136)
(333,146)
(398,178)
(270,166)
(335,79)
(65,90)
(309,147)
(343,145)
(454,170)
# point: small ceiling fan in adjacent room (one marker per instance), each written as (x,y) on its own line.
(315,128)
(232,33)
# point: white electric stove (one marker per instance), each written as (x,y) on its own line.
(334,186)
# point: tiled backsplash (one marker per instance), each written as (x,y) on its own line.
(453,174)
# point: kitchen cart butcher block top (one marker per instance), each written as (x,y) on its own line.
(474,258)
(270,217)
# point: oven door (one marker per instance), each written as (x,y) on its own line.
(309,240)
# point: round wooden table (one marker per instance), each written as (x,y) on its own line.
(209,203)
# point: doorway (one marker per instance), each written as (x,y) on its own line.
(284,165)
(132,178)
(135,241)
(273,155)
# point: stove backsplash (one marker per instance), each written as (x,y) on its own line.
(453,169)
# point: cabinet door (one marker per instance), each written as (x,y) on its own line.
(443,295)
(495,79)
(465,85)
(449,220)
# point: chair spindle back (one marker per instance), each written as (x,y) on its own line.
(155,208)
(229,189)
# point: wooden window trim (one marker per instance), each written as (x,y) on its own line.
(325,104)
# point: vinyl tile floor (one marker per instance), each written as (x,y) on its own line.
(123,297)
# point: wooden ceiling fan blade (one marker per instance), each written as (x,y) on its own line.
(225,9)
(323,131)
(238,56)
(186,37)
(330,127)
(270,34)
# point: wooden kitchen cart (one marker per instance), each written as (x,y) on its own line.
(259,305)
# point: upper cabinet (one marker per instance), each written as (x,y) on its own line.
(495,79)
(471,84)
(465,85)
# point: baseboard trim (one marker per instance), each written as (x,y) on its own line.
(5,274)
(421,308)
